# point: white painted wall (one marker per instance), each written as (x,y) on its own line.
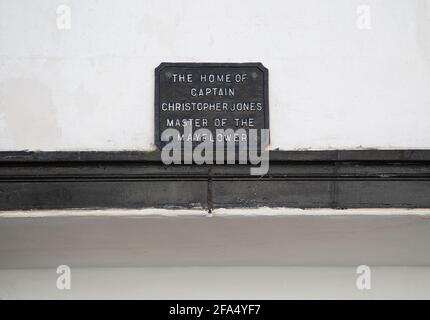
(217,283)
(228,237)
(332,85)
(231,254)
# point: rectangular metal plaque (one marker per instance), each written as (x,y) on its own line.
(212,96)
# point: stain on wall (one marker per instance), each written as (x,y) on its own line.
(27,113)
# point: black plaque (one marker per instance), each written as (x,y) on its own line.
(210,96)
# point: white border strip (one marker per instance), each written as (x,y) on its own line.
(223,212)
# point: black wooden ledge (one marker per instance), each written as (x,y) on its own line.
(297,179)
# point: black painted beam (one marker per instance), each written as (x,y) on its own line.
(298,179)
